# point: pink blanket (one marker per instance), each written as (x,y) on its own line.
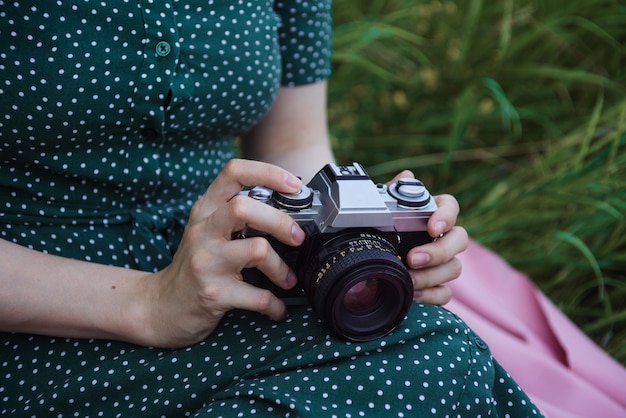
(561,369)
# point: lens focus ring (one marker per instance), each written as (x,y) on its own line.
(359,262)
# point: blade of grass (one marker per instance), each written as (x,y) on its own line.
(591,129)
(588,254)
(510,117)
(506,29)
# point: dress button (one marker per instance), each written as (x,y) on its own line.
(481,344)
(163,49)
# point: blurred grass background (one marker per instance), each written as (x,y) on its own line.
(518,108)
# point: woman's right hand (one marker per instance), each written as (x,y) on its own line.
(184,302)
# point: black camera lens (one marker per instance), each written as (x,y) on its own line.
(364,297)
(358,286)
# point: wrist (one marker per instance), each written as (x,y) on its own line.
(135,317)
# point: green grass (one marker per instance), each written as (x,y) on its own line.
(518,108)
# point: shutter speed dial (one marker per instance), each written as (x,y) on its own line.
(294,201)
(288,201)
(410,193)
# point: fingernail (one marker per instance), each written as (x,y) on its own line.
(291,279)
(420,259)
(293,181)
(417,294)
(297,233)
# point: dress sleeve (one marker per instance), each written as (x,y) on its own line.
(305,40)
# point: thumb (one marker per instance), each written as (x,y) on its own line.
(402,175)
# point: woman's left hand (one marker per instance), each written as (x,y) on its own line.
(434,264)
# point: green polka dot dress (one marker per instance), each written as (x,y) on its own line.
(115,117)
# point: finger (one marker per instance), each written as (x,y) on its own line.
(242,211)
(445,216)
(440,251)
(435,276)
(241,295)
(238,173)
(257,252)
(438,295)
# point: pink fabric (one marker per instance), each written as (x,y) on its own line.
(562,370)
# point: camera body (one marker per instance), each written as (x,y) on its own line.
(351,267)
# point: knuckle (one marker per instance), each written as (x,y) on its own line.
(197,264)
(258,249)
(239,207)
(194,231)
(195,209)
(406,173)
(464,236)
(456,268)
(211,293)
(284,222)
(264,300)
(447,200)
(445,295)
(270,170)
(455,243)
(233,167)
(445,197)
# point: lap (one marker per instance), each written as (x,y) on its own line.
(433,363)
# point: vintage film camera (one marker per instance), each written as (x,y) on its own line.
(351,266)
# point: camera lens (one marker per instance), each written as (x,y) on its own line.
(363,297)
(358,286)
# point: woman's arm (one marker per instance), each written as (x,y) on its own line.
(177,306)
(46,294)
(294,133)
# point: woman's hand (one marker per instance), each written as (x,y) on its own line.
(434,264)
(186,300)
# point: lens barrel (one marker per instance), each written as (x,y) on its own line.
(358,286)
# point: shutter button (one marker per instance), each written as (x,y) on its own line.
(163,49)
